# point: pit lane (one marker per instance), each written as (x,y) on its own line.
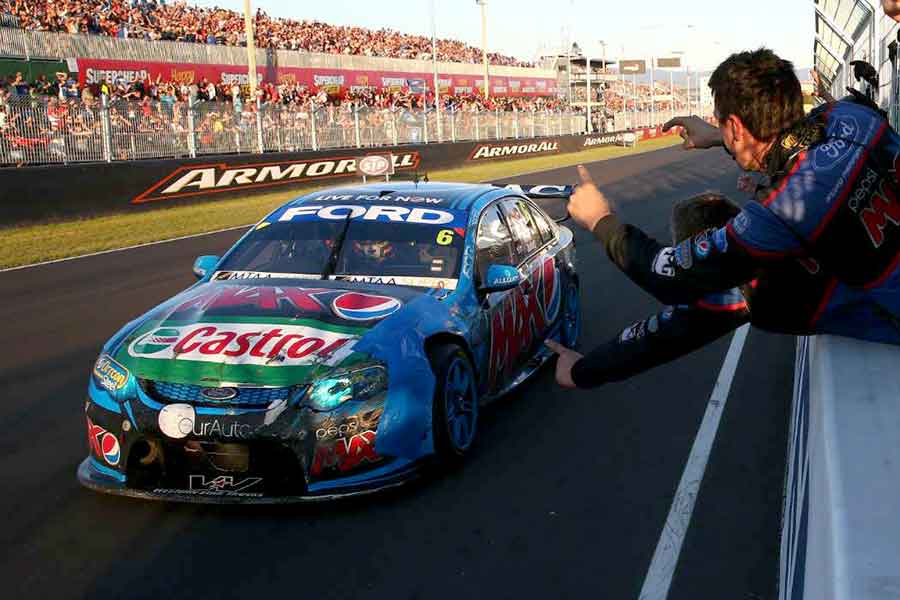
(565,494)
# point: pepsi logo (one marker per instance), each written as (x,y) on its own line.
(103,443)
(702,247)
(355,306)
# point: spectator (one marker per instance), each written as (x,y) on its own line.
(179,21)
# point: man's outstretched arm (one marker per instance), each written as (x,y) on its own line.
(714,260)
(646,344)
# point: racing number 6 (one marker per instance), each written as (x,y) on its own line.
(444,237)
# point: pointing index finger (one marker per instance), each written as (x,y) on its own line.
(673,122)
(584,175)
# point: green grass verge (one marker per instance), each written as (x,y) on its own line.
(28,244)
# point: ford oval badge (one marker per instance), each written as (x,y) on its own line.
(220,394)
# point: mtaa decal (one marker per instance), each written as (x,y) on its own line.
(363,307)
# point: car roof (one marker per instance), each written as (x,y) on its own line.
(469,197)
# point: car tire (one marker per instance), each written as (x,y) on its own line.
(571,325)
(455,404)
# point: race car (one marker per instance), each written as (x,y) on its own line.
(342,345)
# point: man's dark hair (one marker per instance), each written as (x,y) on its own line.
(760,89)
(699,213)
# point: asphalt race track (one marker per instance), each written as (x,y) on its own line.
(565,495)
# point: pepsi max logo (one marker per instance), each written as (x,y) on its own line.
(364,307)
(103,443)
(702,247)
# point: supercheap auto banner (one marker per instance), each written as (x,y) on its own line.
(333,81)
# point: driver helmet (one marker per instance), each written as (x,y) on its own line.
(377,251)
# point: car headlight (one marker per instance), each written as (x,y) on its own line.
(361,384)
(109,374)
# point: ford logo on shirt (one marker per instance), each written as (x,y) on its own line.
(219,394)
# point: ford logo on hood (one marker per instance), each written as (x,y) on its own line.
(220,394)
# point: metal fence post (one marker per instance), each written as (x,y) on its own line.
(533,119)
(394,133)
(192,140)
(312,122)
(497,111)
(259,134)
(105,129)
(356,124)
(477,119)
(425,125)
(516,123)
(453,125)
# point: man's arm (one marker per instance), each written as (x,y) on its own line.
(714,260)
(659,339)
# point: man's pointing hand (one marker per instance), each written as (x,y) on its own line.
(587,204)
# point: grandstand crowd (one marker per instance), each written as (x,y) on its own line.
(179,21)
(66,89)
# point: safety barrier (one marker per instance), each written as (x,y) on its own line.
(841,531)
(91,188)
(47,130)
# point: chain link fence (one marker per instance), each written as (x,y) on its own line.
(40,130)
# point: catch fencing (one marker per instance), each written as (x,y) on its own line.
(38,130)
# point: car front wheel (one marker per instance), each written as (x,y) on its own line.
(455,404)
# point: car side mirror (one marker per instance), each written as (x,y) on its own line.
(204,264)
(500,278)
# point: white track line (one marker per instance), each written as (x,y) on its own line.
(111,250)
(665,558)
(194,235)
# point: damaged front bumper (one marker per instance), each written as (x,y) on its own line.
(149,446)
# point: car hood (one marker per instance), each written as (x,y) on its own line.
(261,332)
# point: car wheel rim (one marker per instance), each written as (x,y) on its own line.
(573,322)
(462,408)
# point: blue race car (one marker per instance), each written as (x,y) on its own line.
(346,341)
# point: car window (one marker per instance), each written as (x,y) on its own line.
(420,254)
(525,233)
(543,224)
(494,243)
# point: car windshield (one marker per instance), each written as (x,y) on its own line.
(375,251)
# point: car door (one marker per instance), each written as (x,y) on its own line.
(533,249)
(517,321)
(494,246)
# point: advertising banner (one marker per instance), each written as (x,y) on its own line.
(334,81)
(59,191)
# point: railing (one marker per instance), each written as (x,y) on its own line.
(42,130)
(840,535)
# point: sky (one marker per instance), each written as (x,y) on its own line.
(707,31)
